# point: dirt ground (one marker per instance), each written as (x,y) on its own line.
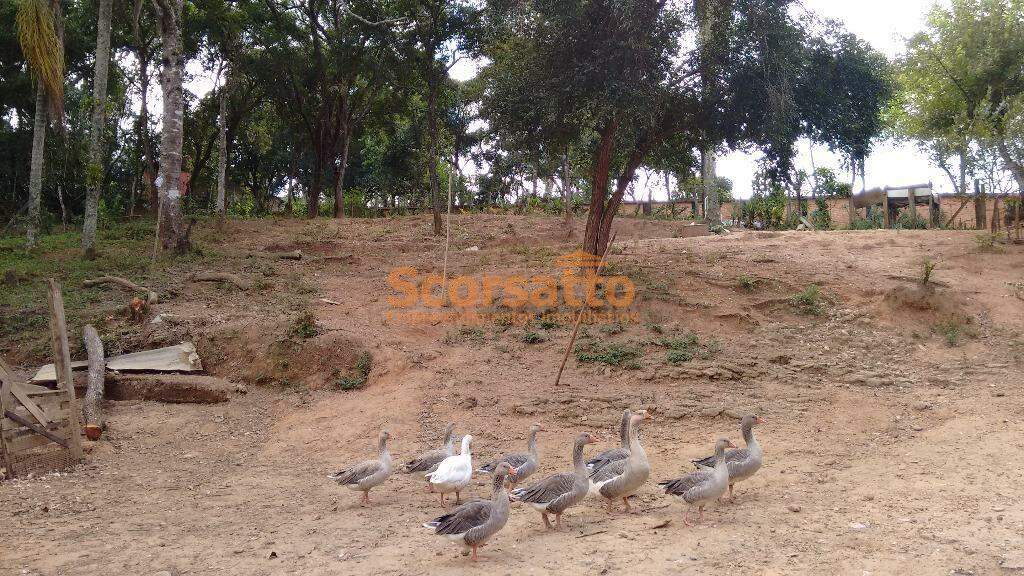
(893,441)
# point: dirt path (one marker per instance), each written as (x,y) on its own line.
(887,451)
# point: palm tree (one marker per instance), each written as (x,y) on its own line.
(94,171)
(44,50)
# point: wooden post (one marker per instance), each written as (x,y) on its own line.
(62,363)
(886,219)
(912,200)
(853,210)
(5,397)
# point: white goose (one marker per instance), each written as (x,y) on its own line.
(453,473)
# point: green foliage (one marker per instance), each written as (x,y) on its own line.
(810,301)
(612,329)
(951,330)
(821,217)
(874,221)
(748,283)
(531,337)
(766,208)
(610,353)
(304,326)
(911,220)
(359,374)
(928,269)
(682,349)
(986,242)
(471,334)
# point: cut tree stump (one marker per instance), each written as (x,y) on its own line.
(151,297)
(92,405)
(172,388)
(224,277)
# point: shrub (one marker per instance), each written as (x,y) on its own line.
(612,353)
(533,338)
(360,372)
(305,326)
(747,283)
(810,301)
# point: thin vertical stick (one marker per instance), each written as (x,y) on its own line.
(579,315)
(447,239)
(62,364)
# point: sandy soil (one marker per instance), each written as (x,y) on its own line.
(887,450)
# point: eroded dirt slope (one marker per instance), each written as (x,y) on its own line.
(887,449)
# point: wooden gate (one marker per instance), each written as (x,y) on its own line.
(39,427)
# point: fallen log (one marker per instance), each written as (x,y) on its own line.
(224,277)
(92,404)
(151,297)
(173,388)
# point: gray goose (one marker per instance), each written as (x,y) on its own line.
(622,478)
(703,486)
(612,454)
(742,462)
(474,523)
(558,492)
(525,464)
(428,461)
(368,474)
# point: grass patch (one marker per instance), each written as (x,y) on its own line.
(748,283)
(548,323)
(610,353)
(125,249)
(473,334)
(953,330)
(987,243)
(532,337)
(359,373)
(304,326)
(810,301)
(682,349)
(612,329)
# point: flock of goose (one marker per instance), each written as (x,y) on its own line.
(614,474)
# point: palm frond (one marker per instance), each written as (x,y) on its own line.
(43,50)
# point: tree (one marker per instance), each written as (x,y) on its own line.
(961,88)
(38,25)
(172,232)
(94,174)
(617,79)
(440,26)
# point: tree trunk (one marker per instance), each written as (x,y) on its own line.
(435,197)
(339,174)
(567,195)
(35,183)
(171,226)
(92,404)
(593,240)
(980,206)
(291,182)
(222,149)
(94,170)
(316,183)
(709,181)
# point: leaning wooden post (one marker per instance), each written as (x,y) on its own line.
(92,406)
(579,316)
(62,363)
